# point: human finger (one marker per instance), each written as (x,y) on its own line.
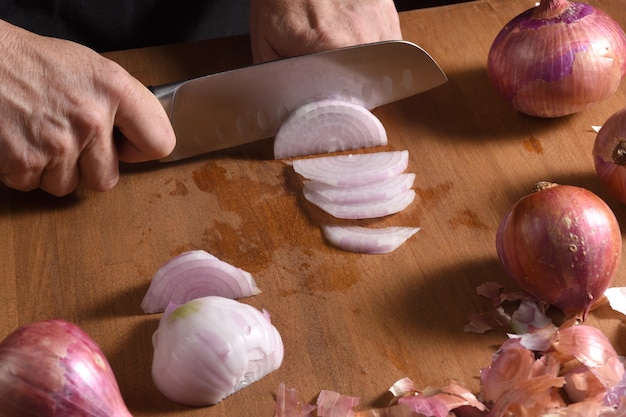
(143,122)
(98,164)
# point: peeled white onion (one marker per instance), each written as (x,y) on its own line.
(354,169)
(210,348)
(196,274)
(368,240)
(328,126)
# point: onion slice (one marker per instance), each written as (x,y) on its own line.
(328,126)
(354,169)
(368,240)
(367,210)
(196,274)
(376,191)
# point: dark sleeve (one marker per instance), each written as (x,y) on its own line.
(106,25)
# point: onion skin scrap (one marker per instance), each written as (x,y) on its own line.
(557,58)
(562,244)
(52,368)
(609,155)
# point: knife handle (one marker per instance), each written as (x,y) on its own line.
(165,94)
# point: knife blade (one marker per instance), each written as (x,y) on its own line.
(244,105)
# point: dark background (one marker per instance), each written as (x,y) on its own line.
(403,5)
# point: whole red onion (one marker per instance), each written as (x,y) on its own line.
(52,368)
(609,154)
(558,58)
(562,244)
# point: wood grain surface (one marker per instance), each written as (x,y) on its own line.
(350,323)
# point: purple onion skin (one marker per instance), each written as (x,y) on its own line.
(52,368)
(562,245)
(609,155)
(558,58)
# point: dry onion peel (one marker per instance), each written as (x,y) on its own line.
(328,126)
(210,348)
(376,191)
(592,350)
(53,368)
(353,169)
(196,274)
(558,58)
(616,297)
(368,240)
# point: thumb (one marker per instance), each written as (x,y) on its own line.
(142,121)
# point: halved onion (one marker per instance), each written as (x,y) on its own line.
(376,191)
(212,347)
(196,274)
(368,240)
(354,169)
(328,126)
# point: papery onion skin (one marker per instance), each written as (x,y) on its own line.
(592,349)
(558,58)
(609,154)
(562,244)
(210,348)
(52,368)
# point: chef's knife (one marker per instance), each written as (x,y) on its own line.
(244,105)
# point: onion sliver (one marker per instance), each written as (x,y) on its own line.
(366,210)
(376,191)
(368,240)
(328,126)
(354,169)
(196,274)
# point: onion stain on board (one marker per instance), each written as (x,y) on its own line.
(433,195)
(468,218)
(532,144)
(208,176)
(313,272)
(180,189)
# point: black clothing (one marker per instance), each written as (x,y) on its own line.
(106,25)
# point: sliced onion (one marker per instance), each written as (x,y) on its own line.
(212,347)
(368,210)
(328,126)
(196,274)
(368,240)
(354,169)
(376,191)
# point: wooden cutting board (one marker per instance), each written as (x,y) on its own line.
(350,323)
